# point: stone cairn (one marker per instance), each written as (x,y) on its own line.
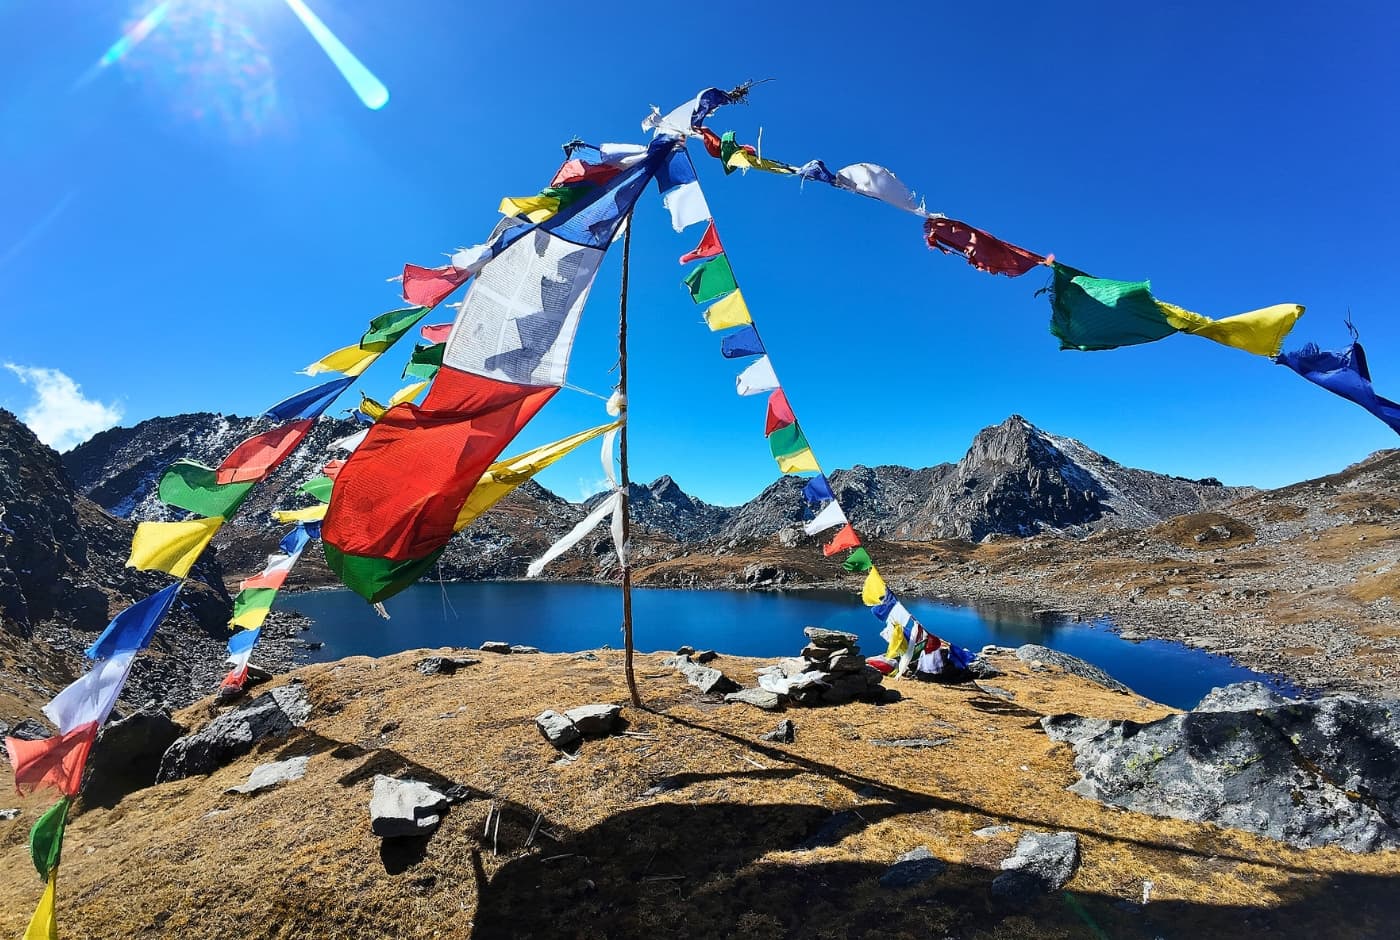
(830,670)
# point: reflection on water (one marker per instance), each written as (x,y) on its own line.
(566,617)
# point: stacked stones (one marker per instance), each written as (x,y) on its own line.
(829,671)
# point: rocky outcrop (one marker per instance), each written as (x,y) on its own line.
(274,713)
(1044,656)
(1043,862)
(1325,772)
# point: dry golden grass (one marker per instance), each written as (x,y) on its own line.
(719,853)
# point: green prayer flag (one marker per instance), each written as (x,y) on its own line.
(319,488)
(425,362)
(376,579)
(1091,313)
(253,599)
(566,195)
(193,486)
(858,561)
(710,280)
(388,328)
(46,838)
(786,441)
(727,146)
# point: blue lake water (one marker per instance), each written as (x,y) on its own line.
(566,617)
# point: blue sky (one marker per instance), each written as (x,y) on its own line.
(186,227)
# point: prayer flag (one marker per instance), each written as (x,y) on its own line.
(709,246)
(408,393)
(294,541)
(534,208)
(874,181)
(306,514)
(371,408)
(1091,313)
(388,328)
(194,487)
(256,457)
(425,361)
(375,578)
(332,467)
(800,462)
(899,644)
(349,360)
(887,604)
(873,591)
(46,838)
(846,538)
(311,403)
(817,489)
(786,441)
(983,251)
(741,343)
(240,648)
(857,562)
(576,171)
(318,488)
(1346,374)
(172,547)
(132,629)
(57,761)
(830,517)
(816,171)
(744,159)
(426,287)
(687,205)
(436,333)
(710,280)
(350,441)
(579,532)
(274,574)
(731,311)
(757,378)
(1259,331)
(91,698)
(44,924)
(779,414)
(251,606)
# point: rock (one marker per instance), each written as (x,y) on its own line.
(444,665)
(28,730)
(998,691)
(400,808)
(685,651)
(708,680)
(1309,774)
(272,714)
(912,868)
(801,686)
(127,755)
(1178,592)
(831,639)
(796,665)
(816,653)
(846,661)
(7,814)
(785,733)
(1048,858)
(909,742)
(1070,729)
(759,698)
(312,645)
(1241,697)
(991,832)
(1016,889)
(265,776)
(521,650)
(705,656)
(595,720)
(495,646)
(1031,653)
(558,730)
(980,668)
(842,688)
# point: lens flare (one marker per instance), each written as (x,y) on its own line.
(370,90)
(133,37)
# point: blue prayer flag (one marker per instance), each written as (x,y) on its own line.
(741,343)
(882,610)
(243,641)
(295,540)
(310,403)
(676,171)
(707,101)
(817,490)
(1345,374)
(817,171)
(133,628)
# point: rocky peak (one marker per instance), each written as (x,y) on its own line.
(664,489)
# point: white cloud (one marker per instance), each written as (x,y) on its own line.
(61,415)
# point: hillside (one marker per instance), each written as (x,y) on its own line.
(686,826)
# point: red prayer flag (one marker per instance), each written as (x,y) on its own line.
(399,494)
(846,538)
(712,141)
(425,287)
(779,413)
(576,171)
(235,679)
(709,246)
(983,251)
(437,332)
(57,761)
(332,468)
(256,457)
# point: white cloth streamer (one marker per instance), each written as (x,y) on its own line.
(576,535)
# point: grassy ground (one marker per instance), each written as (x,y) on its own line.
(745,838)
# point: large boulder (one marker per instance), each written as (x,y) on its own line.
(1043,655)
(404,808)
(1306,773)
(272,714)
(557,730)
(128,754)
(595,720)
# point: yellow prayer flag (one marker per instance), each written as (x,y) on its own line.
(373,409)
(874,589)
(505,475)
(309,514)
(731,311)
(250,619)
(1259,331)
(172,547)
(44,924)
(799,462)
(741,159)
(351,360)
(407,393)
(534,208)
(898,642)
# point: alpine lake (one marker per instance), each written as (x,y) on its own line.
(567,617)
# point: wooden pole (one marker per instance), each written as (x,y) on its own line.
(622,455)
